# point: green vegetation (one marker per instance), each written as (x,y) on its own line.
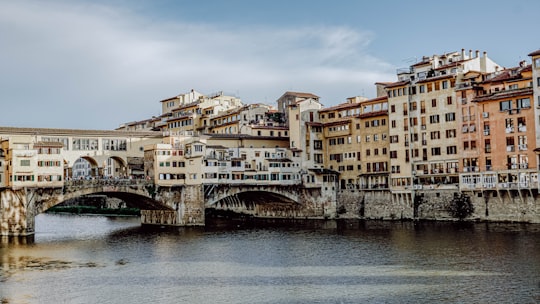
(94,210)
(461,206)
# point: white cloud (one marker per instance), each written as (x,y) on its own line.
(115,65)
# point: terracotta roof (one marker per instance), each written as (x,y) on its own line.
(300,94)
(167,99)
(397,84)
(342,121)
(509,74)
(269,127)
(504,94)
(535,53)
(423,62)
(340,107)
(373,114)
(436,78)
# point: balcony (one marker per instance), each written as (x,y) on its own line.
(510,148)
(522,147)
(509,130)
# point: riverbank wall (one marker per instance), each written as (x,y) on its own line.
(441,205)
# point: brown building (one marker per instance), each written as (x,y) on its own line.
(497,136)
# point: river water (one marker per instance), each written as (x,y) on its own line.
(94,259)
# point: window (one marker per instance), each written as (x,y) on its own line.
(451,150)
(434,119)
(450,116)
(435,135)
(523,103)
(445,84)
(25,162)
(433,103)
(449,100)
(422,89)
(85,144)
(451,133)
(393,154)
(436,151)
(505,105)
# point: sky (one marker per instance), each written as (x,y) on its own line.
(97,64)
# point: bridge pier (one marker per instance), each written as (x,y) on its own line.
(15,219)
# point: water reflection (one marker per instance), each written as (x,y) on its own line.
(97,260)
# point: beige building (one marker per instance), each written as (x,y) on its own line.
(424,120)
(373,126)
(221,159)
(192,118)
(341,144)
(44,153)
(252,119)
(292,98)
(29,163)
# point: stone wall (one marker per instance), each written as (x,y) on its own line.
(13,216)
(381,205)
(186,201)
(434,204)
(507,205)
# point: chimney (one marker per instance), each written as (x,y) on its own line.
(462,54)
(485,54)
(477,54)
(470,54)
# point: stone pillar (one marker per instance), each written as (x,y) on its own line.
(15,219)
(190,208)
(159,217)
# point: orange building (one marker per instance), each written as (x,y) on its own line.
(498,138)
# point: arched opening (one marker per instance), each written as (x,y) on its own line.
(255,203)
(115,167)
(106,203)
(84,168)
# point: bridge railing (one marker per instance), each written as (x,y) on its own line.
(107,182)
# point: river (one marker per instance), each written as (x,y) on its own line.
(95,259)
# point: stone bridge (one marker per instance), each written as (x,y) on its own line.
(182,205)
(163,206)
(279,201)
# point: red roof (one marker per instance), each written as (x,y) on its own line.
(429,79)
(535,53)
(397,84)
(504,94)
(300,94)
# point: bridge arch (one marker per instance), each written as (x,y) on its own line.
(115,166)
(251,193)
(134,195)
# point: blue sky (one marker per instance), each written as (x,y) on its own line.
(97,64)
